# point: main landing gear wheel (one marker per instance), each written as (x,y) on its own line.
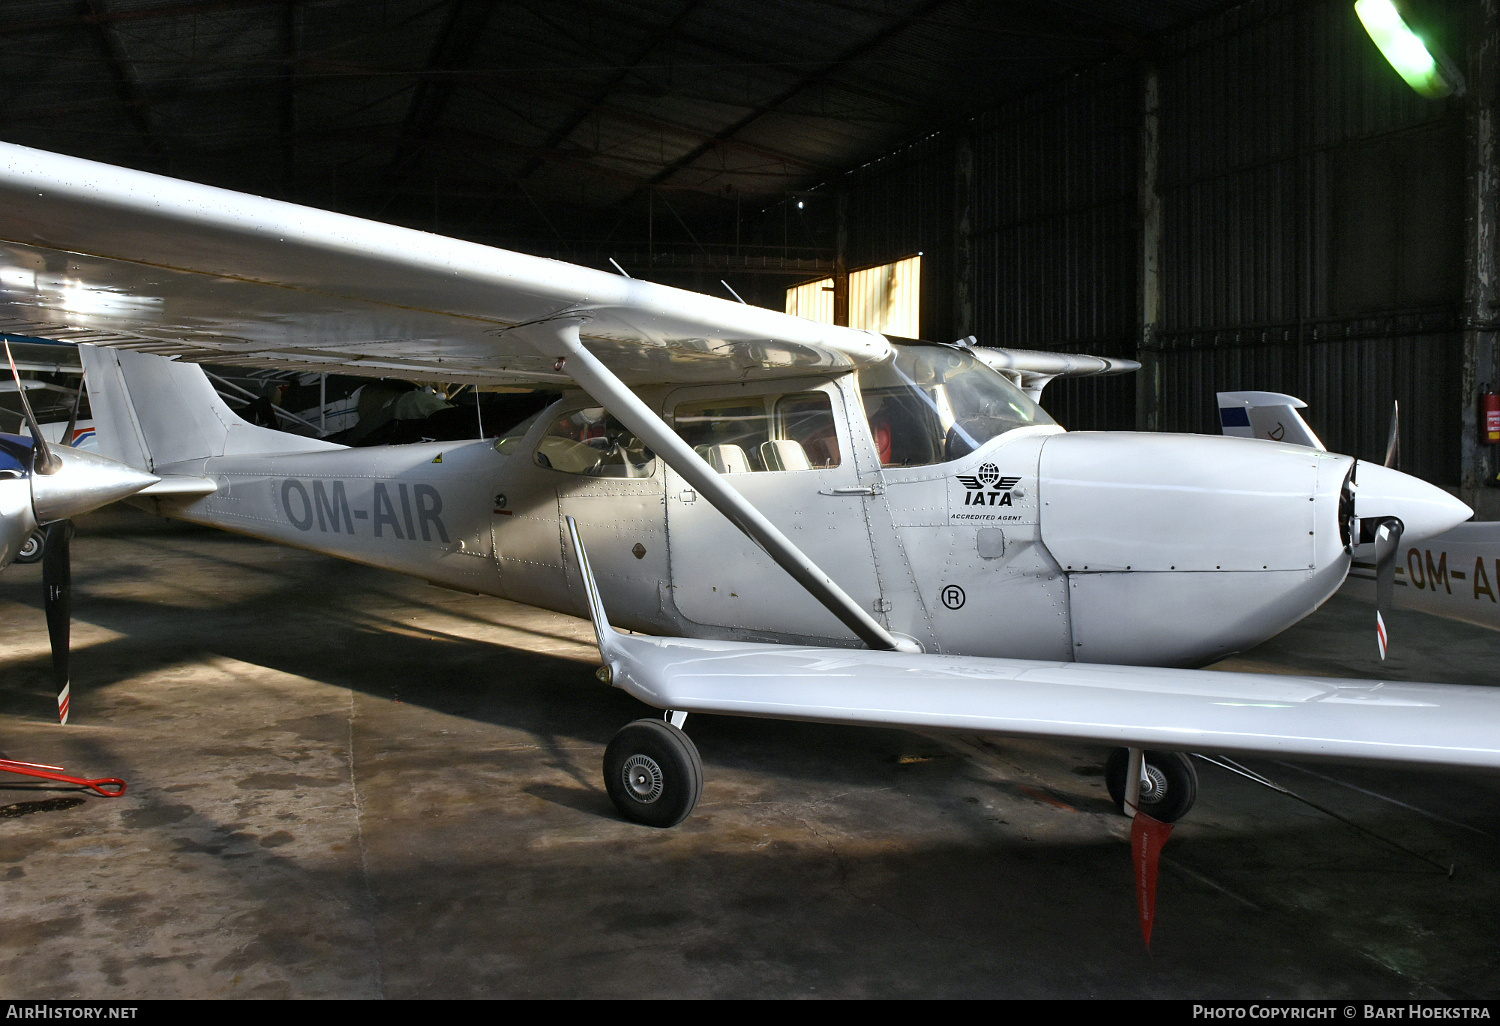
(1169,789)
(653,773)
(33,548)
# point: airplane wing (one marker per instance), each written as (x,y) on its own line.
(110,256)
(41,355)
(1128,706)
(1031,370)
(1029,363)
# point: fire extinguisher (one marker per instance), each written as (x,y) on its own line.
(1489,406)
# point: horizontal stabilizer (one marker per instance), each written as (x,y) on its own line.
(180,486)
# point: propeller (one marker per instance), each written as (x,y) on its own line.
(43,459)
(64,483)
(1384,532)
(1393,442)
(1387,538)
(67,435)
(57,573)
(57,581)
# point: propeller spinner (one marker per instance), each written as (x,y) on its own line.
(1390,505)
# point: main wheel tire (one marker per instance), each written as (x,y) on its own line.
(33,548)
(1173,783)
(653,773)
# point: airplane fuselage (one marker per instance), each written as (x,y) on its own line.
(1455,575)
(1117,548)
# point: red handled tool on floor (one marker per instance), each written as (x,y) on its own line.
(108,787)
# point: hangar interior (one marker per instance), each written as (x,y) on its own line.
(1243,196)
(1238,195)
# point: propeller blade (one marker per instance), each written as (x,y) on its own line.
(57,579)
(67,437)
(1387,545)
(1393,443)
(42,461)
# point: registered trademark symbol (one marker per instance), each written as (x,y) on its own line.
(953,597)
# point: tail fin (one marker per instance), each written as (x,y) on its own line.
(150,412)
(1269,415)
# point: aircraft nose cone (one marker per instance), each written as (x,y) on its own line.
(1425,510)
(85,481)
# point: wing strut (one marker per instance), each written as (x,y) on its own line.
(598,381)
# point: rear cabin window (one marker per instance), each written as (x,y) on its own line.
(592,443)
(762,434)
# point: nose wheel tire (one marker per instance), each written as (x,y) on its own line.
(653,773)
(1169,789)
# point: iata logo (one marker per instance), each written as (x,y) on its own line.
(986,487)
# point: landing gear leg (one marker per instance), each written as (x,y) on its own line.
(653,773)
(1167,780)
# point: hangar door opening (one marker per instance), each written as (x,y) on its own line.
(884,298)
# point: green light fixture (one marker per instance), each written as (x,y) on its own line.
(1423,69)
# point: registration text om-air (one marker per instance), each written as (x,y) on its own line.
(396,508)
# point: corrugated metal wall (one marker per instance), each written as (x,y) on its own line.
(1312,230)
(1054,242)
(902,205)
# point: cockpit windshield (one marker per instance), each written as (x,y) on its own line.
(931,404)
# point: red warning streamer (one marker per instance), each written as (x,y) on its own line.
(1147,837)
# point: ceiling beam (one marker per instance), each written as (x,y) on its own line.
(126,89)
(599,95)
(724,45)
(895,27)
(451,53)
(96,15)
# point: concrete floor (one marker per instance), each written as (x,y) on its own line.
(344,783)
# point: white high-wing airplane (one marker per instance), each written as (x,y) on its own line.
(1455,574)
(815,523)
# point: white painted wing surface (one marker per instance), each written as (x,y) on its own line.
(1032,362)
(95,253)
(1191,710)
(1132,706)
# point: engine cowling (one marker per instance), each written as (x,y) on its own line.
(1182,549)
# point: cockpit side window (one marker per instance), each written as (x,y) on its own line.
(592,443)
(768,433)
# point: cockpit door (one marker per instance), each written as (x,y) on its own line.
(788,450)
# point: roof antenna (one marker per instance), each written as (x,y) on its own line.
(618,267)
(733,293)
